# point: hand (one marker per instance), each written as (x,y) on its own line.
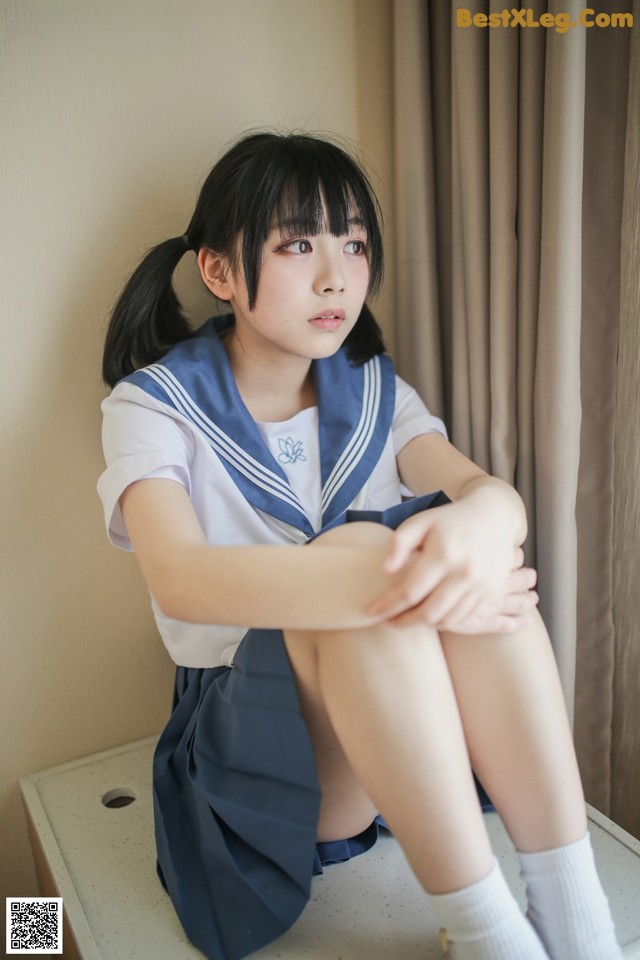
(461,570)
(508,615)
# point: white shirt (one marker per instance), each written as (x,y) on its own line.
(143,437)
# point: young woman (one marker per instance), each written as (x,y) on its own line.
(328,668)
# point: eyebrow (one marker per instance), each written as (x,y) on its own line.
(294,224)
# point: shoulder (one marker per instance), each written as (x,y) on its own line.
(412,416)
(129,400)
(135,422)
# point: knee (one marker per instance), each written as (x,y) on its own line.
(382,642)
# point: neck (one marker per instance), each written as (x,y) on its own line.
(271,390)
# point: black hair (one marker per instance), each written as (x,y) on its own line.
(264,180)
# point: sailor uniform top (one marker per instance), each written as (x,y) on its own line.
(182,418)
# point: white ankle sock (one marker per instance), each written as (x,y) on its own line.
(567,905)
(484,922)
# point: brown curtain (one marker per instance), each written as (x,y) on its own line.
(509,151)
(625,805)
(607,89)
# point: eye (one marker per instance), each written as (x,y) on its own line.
(356,247)
(297,246)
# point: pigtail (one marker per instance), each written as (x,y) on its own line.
(366,339)
(147,319)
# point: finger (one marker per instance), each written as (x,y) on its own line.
(468,609)
(436,607)
(521,580)
(406,540)
(452,600)
(418,582)
(415,615)
(517,604)
(479,623)
(506,624)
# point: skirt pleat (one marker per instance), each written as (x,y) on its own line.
(236,800)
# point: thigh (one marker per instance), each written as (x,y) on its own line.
(346,808)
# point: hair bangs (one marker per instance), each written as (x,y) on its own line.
(306,186)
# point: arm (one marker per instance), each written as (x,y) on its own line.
(263,586)
(429,462)
(468,552)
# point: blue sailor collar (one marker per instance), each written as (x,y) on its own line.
(355,413)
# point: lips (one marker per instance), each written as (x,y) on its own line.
(329,319)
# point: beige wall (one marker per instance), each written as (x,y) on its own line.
(112,113)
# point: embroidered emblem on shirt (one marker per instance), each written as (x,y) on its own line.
(290,450)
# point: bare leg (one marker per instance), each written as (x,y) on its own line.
(518,734)
(399,715)
(387,732)
(388,736)
(390,704)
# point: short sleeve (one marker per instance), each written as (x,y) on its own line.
(140,438)
(411,417)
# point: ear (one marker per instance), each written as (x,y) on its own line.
(214,270)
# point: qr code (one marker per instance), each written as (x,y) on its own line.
(34,925)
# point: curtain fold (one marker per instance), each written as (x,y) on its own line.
(530,94)
(500,145)
(418,346)
(605,127)
(557,408)
(625,807)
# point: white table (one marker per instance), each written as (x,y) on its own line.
(101,860)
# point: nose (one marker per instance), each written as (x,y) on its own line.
(330,276)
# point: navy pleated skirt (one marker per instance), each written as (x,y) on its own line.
(236,794)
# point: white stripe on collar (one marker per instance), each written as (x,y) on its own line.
(224,445)
(357,446)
